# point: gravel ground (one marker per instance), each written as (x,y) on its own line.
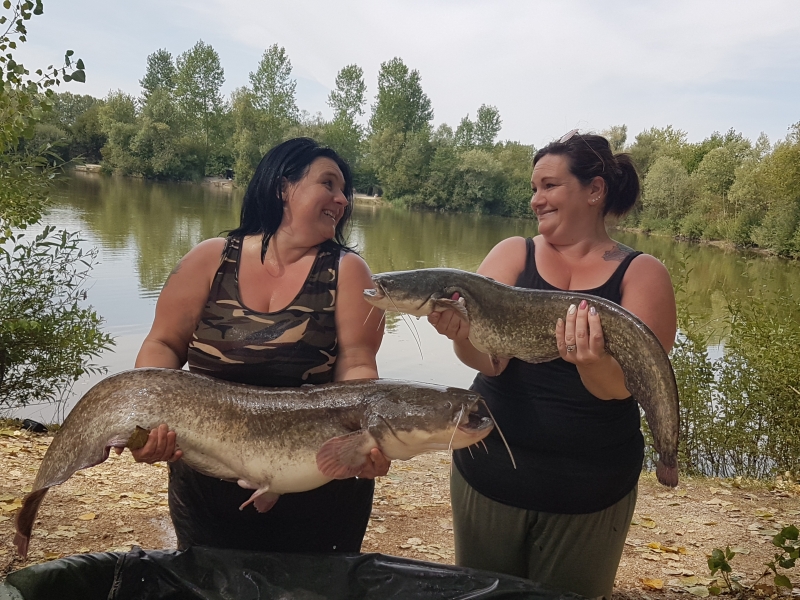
(119,504)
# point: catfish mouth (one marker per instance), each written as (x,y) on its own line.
(375,294)
(378,296)
(475,423)
(472,422)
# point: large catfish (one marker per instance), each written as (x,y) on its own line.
(271,440)
(506,321)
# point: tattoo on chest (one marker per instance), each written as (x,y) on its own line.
(617,253)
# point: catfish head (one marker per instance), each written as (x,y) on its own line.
(407,421)
(422,291)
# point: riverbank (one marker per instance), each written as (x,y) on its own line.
(120,504)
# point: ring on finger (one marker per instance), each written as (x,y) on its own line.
(571,347)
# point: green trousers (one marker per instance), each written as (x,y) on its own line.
(575,553)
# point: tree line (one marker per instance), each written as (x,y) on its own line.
(181,127)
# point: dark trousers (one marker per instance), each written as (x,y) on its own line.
(205,512)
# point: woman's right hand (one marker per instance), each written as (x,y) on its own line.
(450,324)
(160,446)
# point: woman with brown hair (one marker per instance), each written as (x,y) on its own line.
(562,516)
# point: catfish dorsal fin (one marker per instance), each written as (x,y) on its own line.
(344,456)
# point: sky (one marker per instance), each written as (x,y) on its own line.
(549,66)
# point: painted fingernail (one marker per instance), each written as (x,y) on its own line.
(583,304)
(572,309)
(592,311)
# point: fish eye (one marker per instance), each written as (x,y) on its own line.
(448,405)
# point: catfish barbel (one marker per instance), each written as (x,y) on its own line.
(507,321)
(271,440)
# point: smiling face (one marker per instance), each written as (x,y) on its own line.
(314,205)
(559,200)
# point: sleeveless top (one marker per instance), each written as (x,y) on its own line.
(290,347)
(575,453)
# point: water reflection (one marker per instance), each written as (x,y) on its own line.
(143,228)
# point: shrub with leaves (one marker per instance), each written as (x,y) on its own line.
(789,551)
(47,336)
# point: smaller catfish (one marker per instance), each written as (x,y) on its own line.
(270,440)
(511,322)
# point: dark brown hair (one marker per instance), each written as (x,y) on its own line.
(590,156)
(262,205)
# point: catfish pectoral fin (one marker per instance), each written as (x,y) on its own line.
(344,456)
(262,498)
(457,305)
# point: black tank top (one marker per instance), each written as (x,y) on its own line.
(574,452)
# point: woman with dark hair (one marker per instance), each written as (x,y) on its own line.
(276,303)
(562,516)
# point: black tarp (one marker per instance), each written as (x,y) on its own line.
(214,574)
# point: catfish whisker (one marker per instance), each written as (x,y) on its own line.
(484,447)
(413,328)
(460,414)
(368,315)
(496,424)
(470,452)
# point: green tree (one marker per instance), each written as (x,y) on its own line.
(344,133)
(274,93)
(653,143)
(47,337)
(487,126)
(161,73)
(349,97)
(119,123)
(465,133)
(616,135)
(263,114)
(667,191)
(198,83)
(400,103)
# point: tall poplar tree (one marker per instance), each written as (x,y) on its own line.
(160,74)
(198,82)
(345,133)
(400,104)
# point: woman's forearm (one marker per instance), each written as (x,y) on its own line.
(604,379)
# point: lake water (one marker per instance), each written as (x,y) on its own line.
(143,228)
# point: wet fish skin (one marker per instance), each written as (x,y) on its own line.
(271,440)
(507,321)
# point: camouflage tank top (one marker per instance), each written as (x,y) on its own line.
(290,347)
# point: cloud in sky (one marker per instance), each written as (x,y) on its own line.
(548,65)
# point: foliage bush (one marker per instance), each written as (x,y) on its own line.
(47,334)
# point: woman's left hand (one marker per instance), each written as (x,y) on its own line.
(377,465)
(579,335)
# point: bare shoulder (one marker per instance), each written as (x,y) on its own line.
(648,293)
(201,262)
(209,250)
(505,261)
(353,268)
(646,270)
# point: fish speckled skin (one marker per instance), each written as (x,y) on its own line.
(507,321)
(271,440)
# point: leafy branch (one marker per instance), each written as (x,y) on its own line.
(789,551)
